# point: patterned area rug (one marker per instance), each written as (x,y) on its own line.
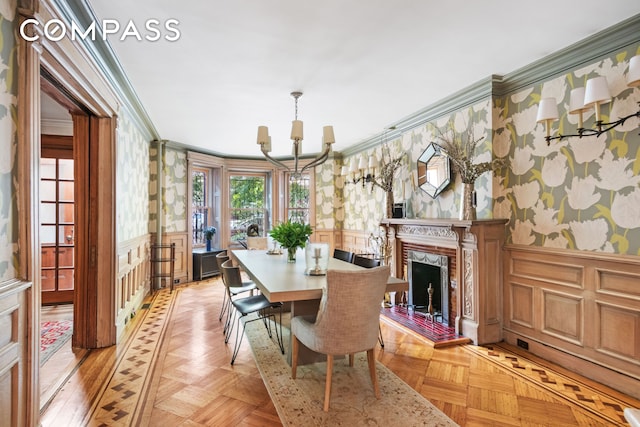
(299,402)
(53,335)
(435,332)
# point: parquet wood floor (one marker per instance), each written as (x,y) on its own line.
(173,369)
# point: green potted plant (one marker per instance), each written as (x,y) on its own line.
(209,232)
(291,235)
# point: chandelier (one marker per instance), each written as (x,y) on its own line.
(583,99)
(264,140)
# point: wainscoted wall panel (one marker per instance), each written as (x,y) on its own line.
(521,304)
(591,325)
(133,279)
(8,146)
(181,266)
(611,317)
(563,316)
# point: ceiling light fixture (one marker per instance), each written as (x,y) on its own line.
(264,140)
(584,99)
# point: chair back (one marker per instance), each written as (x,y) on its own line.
(366,262)
(343,255)
(349,313)
(231,274)
(221,257)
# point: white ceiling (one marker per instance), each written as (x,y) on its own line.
(362,65)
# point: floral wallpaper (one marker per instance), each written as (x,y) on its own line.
(329,209)
(174,190)
(577,193)
(131,179)
(364,207)
(8,141)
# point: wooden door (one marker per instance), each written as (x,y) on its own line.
(57,222)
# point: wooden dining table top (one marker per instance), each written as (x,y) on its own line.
(282,281)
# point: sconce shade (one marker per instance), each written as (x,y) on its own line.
(633,75)
(267,146)
(547,110)
(263,134)
(296,130)
(362,164)
(344,170)
(353,167)
(327,135)
(597,92)
(373,162)
(576,101)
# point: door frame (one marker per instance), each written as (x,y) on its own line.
(69,70)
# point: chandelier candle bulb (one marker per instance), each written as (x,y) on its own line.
(327,135)
(296,130)
(263,134)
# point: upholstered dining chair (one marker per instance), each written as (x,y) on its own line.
(368,262)
(230,290)
(245,306)
(346,322)
(343,255)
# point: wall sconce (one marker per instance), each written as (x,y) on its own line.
(362,171)
(583,99)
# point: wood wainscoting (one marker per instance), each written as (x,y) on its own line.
(578,309)
(184,258)
(133,279)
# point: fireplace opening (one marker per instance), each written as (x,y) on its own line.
(426,269)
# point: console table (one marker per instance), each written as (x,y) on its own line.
(204,263)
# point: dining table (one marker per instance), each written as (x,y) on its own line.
(283,281)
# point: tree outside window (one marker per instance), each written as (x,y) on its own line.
(247,201)
(298,200)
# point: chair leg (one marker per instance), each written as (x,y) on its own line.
(294,357)
(371,359)
(327,385)
(380,337)
(231,316)
(351,358)
(224,306)
(236,347)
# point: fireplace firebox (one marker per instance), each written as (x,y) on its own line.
(425,269)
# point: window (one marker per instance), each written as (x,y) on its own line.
(248,204)
(298,200)
(201,212)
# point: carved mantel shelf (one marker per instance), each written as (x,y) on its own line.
(478,247)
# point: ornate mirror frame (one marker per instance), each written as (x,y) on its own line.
(434,170)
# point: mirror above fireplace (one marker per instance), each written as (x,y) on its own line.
(434,172)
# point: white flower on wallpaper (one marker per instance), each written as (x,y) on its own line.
(554,170)
(525,121)
(625,210)
(590,235)
(582,193)
(169,158)
(614,173)
(588,148)
(502,143)
(179,171)
(624,107)
(615,76)
(8,10)
(540,147)
(7,127)
(555,89)
(521,162)
(522,233)
(502,209)
(545,220)
(518,97)
(527,195)
(559,242)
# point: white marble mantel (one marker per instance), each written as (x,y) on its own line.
(479,273)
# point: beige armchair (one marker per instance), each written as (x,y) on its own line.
(347,321)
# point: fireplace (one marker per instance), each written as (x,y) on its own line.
(425,269)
